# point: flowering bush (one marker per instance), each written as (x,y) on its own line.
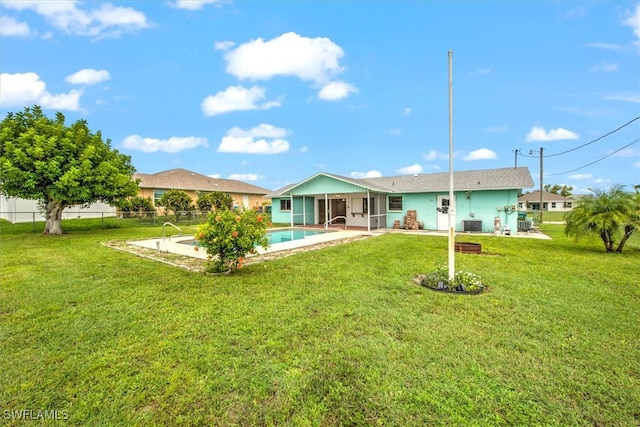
(229,236)
(463,281)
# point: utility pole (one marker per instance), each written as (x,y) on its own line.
(541,187)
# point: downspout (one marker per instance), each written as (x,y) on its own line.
(304,210)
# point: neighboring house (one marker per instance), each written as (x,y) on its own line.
(550,202)
(482,197)
(156,184)
(14,209)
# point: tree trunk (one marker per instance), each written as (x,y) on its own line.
(53,215)
(605,235)
(628,231)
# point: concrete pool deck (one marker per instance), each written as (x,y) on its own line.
(173,245)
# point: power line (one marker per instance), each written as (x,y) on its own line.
(590,142)
(600,159)
(595,140)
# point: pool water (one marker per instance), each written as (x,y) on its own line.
(276,236)
(289,234)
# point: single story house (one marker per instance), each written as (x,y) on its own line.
(550,202)
(243,194)
(483,199)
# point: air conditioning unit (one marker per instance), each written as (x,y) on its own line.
(472,225)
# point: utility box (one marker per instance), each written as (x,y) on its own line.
(472,225)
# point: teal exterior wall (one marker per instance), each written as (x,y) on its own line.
(480,205)
(326,185)
(299,214)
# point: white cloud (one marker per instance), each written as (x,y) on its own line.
(624,97)
(194,4)
(224,45)
(336,90)
(495,129)
(434,155)
(88,76)
(481,154)
(368,174)
(406,111)
(24,89)
(602,181)
(304,149)
(581,176)
(410,170)
(628,152)
(606,46)
(105,20)
(245,176)
(171,145)
(395,131)
(11,27)
(539,134)
(236,98)
(633,20)
(481,71)
(604,67)
(309,59)
(262,139)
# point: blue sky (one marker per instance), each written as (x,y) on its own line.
(272,92)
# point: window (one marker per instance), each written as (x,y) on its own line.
(553,205)
(285,205)
(365,205)
(395,203)
(157,195)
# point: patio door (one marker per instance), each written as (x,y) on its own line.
(443,212)
(321,212)
(339,208)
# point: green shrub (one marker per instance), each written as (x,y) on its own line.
(228,236)
(462,280)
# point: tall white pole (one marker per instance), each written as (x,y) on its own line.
(452,204)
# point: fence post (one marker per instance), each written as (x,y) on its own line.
(102,213)
(33,221)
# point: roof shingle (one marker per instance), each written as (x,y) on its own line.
(182,179)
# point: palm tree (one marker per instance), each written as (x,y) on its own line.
(634,220)
(607,214)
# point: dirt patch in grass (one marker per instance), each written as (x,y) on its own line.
(197,264)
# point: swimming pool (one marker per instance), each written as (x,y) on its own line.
(276,236)
(282,239)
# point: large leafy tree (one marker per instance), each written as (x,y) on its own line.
(609,214)
(177,201)
(59,166)
(214,201)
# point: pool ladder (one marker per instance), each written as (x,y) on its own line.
(164,236)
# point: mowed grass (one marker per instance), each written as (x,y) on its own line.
(337,336)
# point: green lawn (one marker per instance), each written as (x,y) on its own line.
(337,336)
